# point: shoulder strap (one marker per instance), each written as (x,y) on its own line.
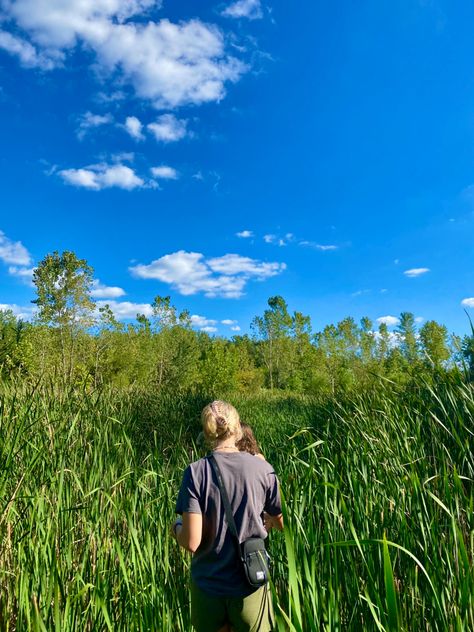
(225,500)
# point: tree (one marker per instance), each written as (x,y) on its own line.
(13,332)
(367,340)
(434,343)
(272,330)
(408,337)
(63,284)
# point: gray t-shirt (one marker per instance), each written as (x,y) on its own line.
(252,487)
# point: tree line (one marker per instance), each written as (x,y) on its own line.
(71,341)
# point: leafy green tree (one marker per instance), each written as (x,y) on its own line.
(383,343)
(13,334)
(219,367)
(169,341)
(272,331)
(408,337)
(434,343)
(468,354)
(106,335)
(367,340)
(63,284)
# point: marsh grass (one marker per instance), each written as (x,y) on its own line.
(378,493)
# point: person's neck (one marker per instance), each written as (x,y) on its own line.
(226,447)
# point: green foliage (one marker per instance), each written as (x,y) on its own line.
(378,490)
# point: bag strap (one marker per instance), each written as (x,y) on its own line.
(225,500)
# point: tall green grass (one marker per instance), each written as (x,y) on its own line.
(378,495)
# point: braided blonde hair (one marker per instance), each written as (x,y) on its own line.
(220,420)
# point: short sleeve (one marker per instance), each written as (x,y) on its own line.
(188,497)
(272,497)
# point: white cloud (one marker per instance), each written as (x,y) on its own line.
(99,290)
(134,127)
(245,234)
(26,274)
(190,273)
(25,313)
(468,302)
(236,264)
(269,239)
(13,252)
(168,64)
(91,121)
(322,247)
(167,128)
(209,330)
(202,321)
(419,319)
(390,321)
(124,310)
(103,176)
(164,173)
(27,53)
(416,272)
(251,9)
(235,328)
(229,322)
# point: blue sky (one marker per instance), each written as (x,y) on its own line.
(227,153)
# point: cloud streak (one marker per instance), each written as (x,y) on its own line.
(415,272)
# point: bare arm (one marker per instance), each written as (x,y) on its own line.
(189,533)
(273,522)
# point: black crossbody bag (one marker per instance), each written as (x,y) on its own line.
(251,552)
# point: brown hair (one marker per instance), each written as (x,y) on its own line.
(248,443)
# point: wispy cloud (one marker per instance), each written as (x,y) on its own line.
(321,247)
(279,240)
(415,272)
(229,322)
(168,64)
(103,176)
(13,252)
(23,273)
(250,9)
(191,273)
(390,321)
(90,121)
(468,302)
(27,54)
(168,128)
(245,234)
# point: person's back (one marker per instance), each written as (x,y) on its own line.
(252,488)
(220,593)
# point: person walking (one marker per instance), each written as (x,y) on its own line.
(221,597)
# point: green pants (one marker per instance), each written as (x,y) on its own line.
(245,614)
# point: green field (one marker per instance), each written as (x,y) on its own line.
(378,493)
